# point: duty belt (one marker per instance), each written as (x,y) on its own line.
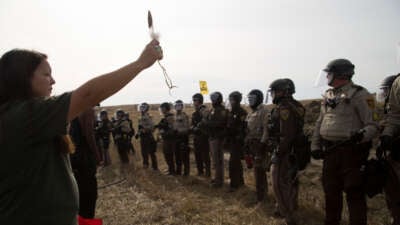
(333,144)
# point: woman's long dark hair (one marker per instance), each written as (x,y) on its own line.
(16,71)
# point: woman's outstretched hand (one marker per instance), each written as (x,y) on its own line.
(150,54)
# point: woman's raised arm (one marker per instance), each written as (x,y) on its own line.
(102,87)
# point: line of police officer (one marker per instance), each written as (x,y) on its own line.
(275,140)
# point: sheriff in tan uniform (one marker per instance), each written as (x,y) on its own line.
(181,126)
(167,132)
(389,142)
(256,141)
(344,130)
(147,142)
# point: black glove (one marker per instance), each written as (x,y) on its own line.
(386,142)
(357,136)
(317,154)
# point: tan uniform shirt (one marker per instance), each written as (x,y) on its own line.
(351,113)
(393,118)
(146,122)
(257,124)
(181,123)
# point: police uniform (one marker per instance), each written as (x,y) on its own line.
(167,132)
(181,127)
(148,144)
(235,142)
(103,130)
(200,142)
(256,139)
(343,111)
(392,128)
(286,124)
(122,130)
(215,123)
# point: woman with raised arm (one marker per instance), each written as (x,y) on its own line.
(36,182)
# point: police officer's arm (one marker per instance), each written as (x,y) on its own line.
(102,87)
(187,123)
(242,129)
(316,137)
(265,135)
(365,113)
(392,127)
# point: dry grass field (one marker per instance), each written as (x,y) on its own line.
(150,197)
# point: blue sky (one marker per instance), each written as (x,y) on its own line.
(233,45)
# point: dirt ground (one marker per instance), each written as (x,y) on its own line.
(144,196)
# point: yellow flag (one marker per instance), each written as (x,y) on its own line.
(203,87)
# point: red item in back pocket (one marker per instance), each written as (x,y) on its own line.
(84,221)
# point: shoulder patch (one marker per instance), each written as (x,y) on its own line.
(284,113)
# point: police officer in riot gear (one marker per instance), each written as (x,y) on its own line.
(103,130)
(389,139)
(384,91)
(167,132)
(131,134)
(285,127)
(148,144)
(122,130)
(200,138)
(215,126)
(342,137)
(235,134)
(181,127)
(256,142)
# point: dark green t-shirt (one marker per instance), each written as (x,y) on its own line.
(37,186)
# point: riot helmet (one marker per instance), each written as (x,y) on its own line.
(384,88)
(216,98)
(119,114)
(144,107)
(234,99)
(179,106)
(279,89)
(336,69)
(255,98)
(198,98)
(103,114)
(165,107)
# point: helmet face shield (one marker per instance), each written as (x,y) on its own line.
(269,96)
(382,94)
(119,114)
(179,106)
(252,100)
(143,108)
(162,111)
(214,97)
(322,79)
